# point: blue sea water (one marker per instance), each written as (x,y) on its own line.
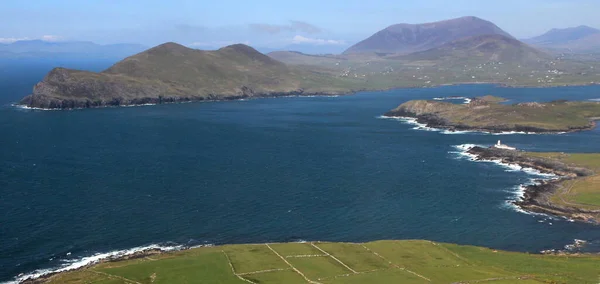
(77,183)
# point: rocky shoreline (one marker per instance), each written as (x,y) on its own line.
(43,102)
(537,197)
(136,255)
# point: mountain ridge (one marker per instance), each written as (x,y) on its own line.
(495,48)
(575,39)
(409,38)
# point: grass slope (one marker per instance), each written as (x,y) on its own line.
(375,262)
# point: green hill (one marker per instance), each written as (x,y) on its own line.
(174,73)
(383,262)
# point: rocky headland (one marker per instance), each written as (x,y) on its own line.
(487,114)
(541,196)
(171,73)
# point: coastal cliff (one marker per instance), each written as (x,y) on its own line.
(486,114)
(541,197)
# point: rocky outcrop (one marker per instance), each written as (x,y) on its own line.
(538,197)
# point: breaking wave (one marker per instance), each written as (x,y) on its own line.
(518,192)
(73,264)
(424,127)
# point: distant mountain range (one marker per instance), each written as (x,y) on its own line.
(409,38)
(576,39)
(40,48)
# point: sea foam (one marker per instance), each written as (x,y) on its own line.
(518,192)
(73,264)
(424,127)
(464,99)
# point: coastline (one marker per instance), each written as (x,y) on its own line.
(450,131)
(154,253)
(537,196)
(433,121)
(158,101)
(67,104)
(40,275)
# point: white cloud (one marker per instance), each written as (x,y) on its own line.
(12,39)
(298,39)
(293,26)
(49,38)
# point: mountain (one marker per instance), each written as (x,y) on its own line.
(40,48)
(299,58)
(495,48)
(408,38)
(174,73)
(576,39)
(312,49)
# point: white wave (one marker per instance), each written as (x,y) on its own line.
(30,108)
(424,127)
(518,193)
(465,99)
(463,151)
(72,264)
(319,96)
(595,100)
(454,132)
(139,105)
(58,109)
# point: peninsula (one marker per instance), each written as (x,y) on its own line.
(174,73)
(574,193)
(409,262)
(488,114)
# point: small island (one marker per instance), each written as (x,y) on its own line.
(488,114)
(573,193)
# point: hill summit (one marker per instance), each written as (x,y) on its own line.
(408,38)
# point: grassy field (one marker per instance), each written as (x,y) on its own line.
(583,192)
(376,262)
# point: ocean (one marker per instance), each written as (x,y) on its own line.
(75,184)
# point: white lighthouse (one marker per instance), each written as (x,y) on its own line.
(499,145)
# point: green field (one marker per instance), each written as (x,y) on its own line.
(375,262)
(583,192)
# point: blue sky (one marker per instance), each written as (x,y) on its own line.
(328,25)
